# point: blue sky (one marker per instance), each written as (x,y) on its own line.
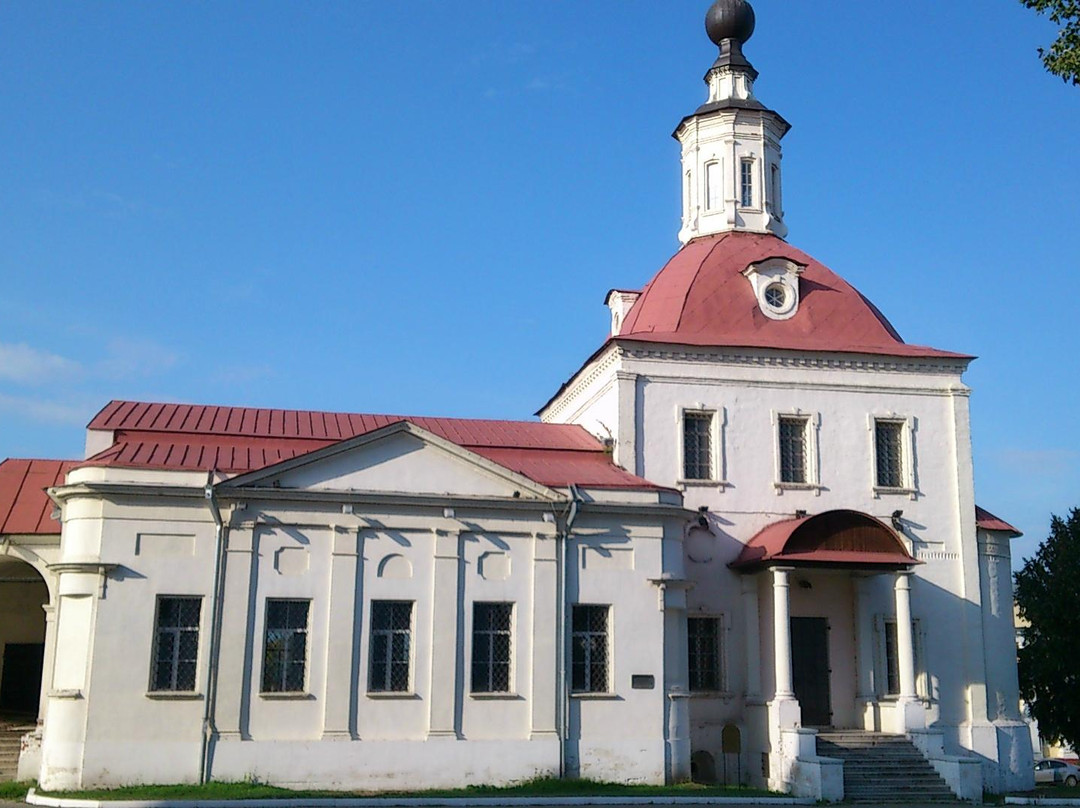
(417,207)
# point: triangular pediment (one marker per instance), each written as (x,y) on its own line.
(400,458)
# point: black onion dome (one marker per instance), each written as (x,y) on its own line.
(730,19)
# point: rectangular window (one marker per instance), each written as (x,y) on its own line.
(176,644)
(285,654)
(697,446)
(747,183)
(589,657)
(391,646)
(889,450)
(703,641)
(793,449)
(491,647)
(776,207)
(714,184)
(892,658)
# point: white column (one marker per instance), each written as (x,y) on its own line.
(753,637)
(445,642)
(905,640)
(782,633)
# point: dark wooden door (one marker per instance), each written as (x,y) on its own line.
(20,687)
(810,669)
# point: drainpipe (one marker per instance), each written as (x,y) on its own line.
(209,729)
(562,695)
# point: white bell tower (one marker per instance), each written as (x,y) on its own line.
(731,156)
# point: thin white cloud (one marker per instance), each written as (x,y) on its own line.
(134,358)
(45,411)
(25,365)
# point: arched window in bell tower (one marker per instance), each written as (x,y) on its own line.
(714,187)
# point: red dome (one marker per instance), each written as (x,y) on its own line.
(702,298)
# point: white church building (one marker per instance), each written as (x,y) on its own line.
(741,542)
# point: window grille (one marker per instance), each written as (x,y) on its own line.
(889,437)
(747,183)
(793,450)
(285,654)
(703,641)
(176,644)
(697,446)
(589,658)
(491,647)
(391,646)
(892,659)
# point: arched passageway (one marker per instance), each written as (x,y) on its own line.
(23,596)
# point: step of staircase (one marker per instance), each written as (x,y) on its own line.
(10,746)
(879,767)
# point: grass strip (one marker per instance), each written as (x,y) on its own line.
(544,787)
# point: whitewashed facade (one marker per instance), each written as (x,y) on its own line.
(330,617)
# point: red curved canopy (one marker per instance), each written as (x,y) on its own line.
(834,538)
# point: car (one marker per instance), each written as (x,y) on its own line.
(1056,771)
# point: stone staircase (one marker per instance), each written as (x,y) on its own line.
(883,768)
(11,732)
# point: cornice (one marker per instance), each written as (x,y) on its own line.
(582,380)
(856,362)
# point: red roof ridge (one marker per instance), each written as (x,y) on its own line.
(987,521)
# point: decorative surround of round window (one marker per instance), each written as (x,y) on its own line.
(776,286)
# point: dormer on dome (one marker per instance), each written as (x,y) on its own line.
(731,155)
(776,286)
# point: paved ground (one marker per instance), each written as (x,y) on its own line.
(4,804)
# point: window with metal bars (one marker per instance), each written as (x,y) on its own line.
(391,646)
(889,440)
(697,446)
(176,644)
(703,643)
(746,184)
(491,647)
(892,659)
(285,652)
(793,454)
(589,652)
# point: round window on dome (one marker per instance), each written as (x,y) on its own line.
(776,296)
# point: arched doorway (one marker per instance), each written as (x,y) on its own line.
(23,598)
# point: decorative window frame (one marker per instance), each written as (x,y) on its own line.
(717,435)
(881,663)
(723,628)
(756,194)
(908,470)
(813,453)
(712,178)
(780,271)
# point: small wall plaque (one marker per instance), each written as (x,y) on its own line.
(640,681)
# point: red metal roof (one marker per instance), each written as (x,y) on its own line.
(236,440)
(701,298)
(987,521)
(781,543)
(25,508)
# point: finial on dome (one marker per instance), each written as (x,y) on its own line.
(730,19)
(729,24)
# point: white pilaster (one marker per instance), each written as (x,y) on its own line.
(443,719)
(864,656)
(545,633)
(340,686)
(237,623)
(753,637)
